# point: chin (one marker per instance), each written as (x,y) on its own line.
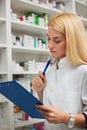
(54,56)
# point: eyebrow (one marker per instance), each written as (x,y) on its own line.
(54,37)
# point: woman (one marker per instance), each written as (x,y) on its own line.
(63,89)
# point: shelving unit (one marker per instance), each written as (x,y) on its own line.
(31,6)
(10,52)
(28,28)
(2,20)
(80,8)
(29,50)
(27,123)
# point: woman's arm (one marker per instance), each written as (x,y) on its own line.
(55,115)
(38,84)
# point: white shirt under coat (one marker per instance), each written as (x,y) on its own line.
(67,90)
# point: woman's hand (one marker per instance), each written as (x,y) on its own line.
(53,114)
(39,82)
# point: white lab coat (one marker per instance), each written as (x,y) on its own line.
(67,90)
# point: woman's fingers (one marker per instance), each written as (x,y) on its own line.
(40,74)
(43,108)
(48,113)
(37,81)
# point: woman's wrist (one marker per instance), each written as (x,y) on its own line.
(66,118)
(76,120)
(40,95)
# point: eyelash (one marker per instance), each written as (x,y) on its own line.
(57,41)
(54,41)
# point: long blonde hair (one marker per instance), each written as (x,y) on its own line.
(76,43)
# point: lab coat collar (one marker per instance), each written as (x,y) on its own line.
(64,63)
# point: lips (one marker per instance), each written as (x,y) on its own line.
(52,51)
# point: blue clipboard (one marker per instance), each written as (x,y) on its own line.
(21,97)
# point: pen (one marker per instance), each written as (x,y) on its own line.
(48,63)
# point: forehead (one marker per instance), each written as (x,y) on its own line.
(53,32)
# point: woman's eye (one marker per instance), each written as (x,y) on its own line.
(57,41)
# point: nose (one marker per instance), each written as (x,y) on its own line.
(50,44)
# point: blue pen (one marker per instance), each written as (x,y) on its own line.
(48,63)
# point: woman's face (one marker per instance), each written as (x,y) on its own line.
(56,43)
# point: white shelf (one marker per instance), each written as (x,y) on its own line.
(84,20)
(5,127)
(2,45)
(2,19)
(81,10)
(31,6)
(23,27)
(30,122)
(24,73)
(63,0)
(81,2)
(3,72)
(30,50)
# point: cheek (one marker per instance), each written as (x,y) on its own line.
(64,47)
(61,49)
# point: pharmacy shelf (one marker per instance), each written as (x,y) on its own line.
(30,122)
(24,27)
(2,45)
(5,127)
(81,9)
(24,73)
(84,20)
(2,19)
(31,6)
(81,2)
(17,49)
(3,72)
(63,0)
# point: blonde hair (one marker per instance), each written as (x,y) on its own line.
(76,43)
